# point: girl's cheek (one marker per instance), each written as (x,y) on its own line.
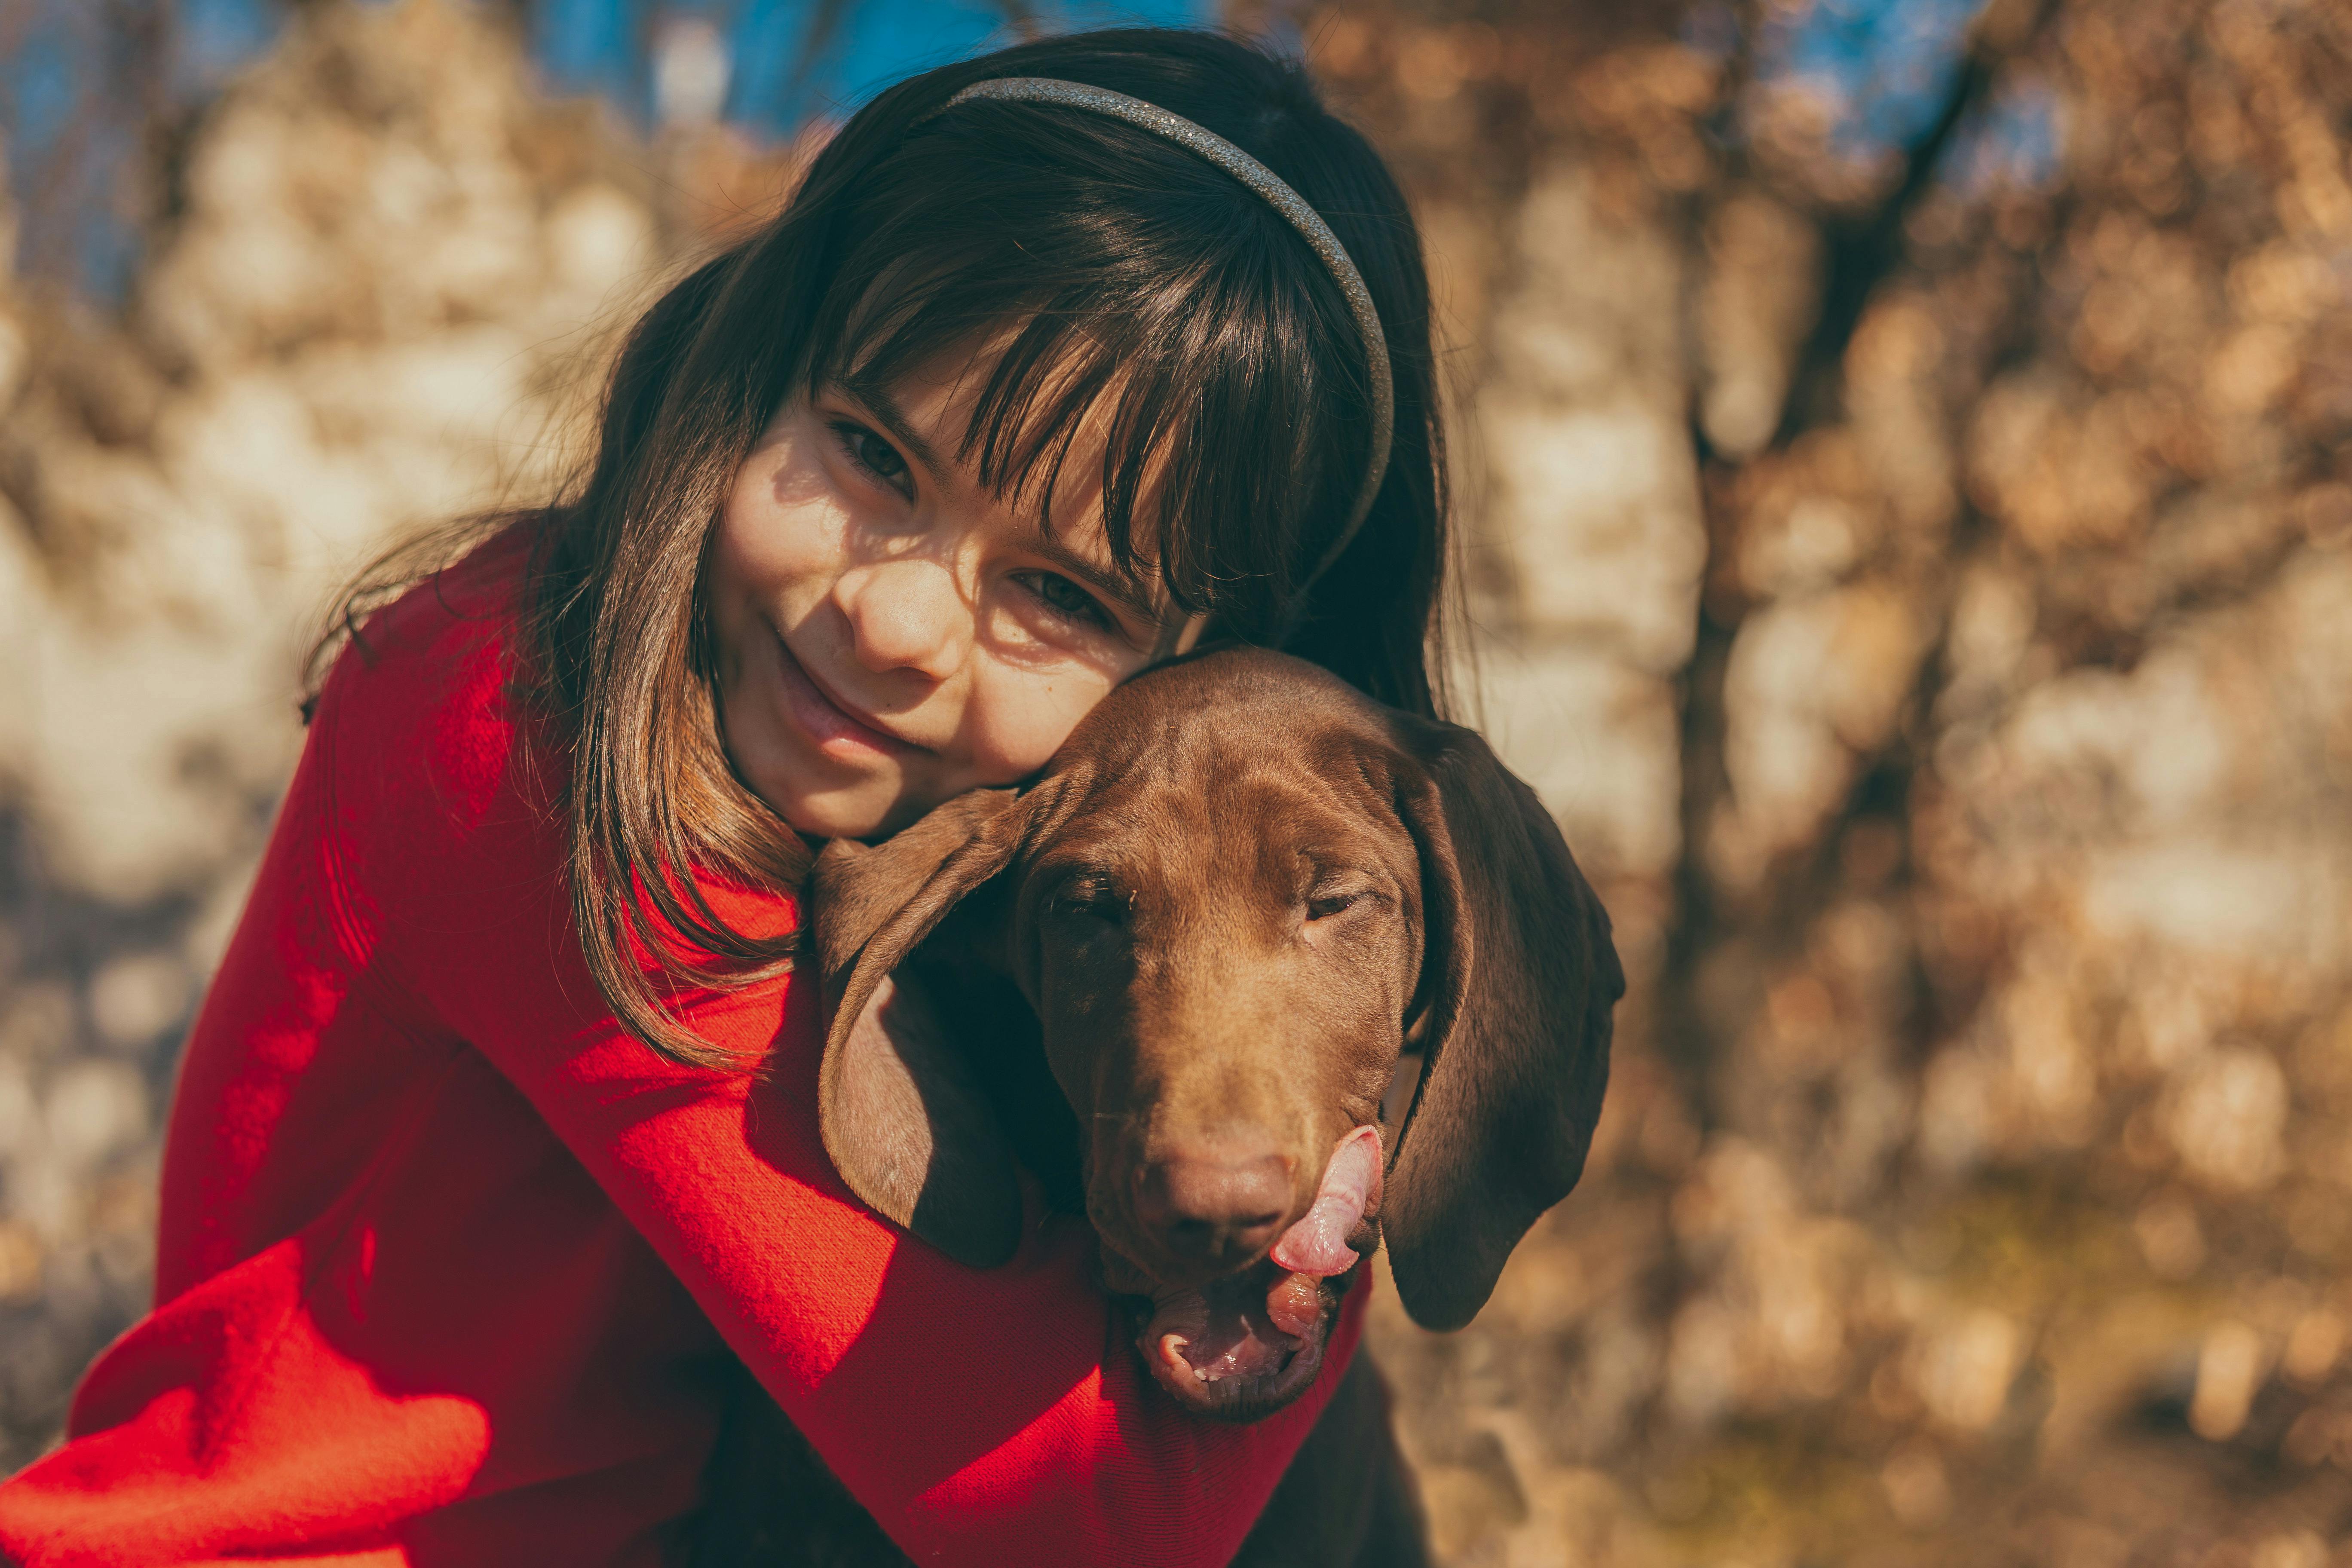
(781,529)
(1020,717)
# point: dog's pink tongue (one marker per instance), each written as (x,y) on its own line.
(1317,1244)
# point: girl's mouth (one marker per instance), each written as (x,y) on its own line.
(834,727)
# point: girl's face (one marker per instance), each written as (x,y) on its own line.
(890,634)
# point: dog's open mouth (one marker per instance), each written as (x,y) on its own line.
(1243,1345)
(1248,1344)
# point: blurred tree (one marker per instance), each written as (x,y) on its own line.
(1910,537)
(1906,440)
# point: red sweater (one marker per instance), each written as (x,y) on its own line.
(447,1258)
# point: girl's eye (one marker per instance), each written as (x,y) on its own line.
(1067,600)
(873,454)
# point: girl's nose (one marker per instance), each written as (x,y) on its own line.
(909,613)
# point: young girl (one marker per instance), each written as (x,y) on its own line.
(472,1194)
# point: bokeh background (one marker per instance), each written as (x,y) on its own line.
(1909,543)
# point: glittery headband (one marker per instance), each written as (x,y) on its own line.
(1310,223)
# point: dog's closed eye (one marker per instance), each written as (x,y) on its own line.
(1090,896)
(1328,883)
(1322,906)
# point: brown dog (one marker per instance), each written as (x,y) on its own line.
(1184,964)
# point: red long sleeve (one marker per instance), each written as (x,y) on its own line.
(443,1249)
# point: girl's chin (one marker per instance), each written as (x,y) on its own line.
(845,801)
(842,814)
(823,795)
(827,817)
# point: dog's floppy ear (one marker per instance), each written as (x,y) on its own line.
(1520,979)
(906,1124)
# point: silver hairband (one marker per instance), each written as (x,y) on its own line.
(1310,223)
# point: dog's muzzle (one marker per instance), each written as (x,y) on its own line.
(1251,1341)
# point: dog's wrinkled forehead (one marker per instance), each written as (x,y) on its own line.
(1221,710)
(1226,736)
(1243,691)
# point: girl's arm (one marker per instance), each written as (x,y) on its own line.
(984,1418)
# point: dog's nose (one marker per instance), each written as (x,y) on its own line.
(1219,1204)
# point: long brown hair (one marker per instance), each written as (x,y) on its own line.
(1107,268)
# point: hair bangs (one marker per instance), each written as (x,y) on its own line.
(1196,355)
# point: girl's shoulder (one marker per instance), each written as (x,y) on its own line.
(443,622)
(423,710)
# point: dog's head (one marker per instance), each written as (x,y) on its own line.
(1237,896)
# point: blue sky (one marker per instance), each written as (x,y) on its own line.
(1887,64)
(607,46)
(68,142)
